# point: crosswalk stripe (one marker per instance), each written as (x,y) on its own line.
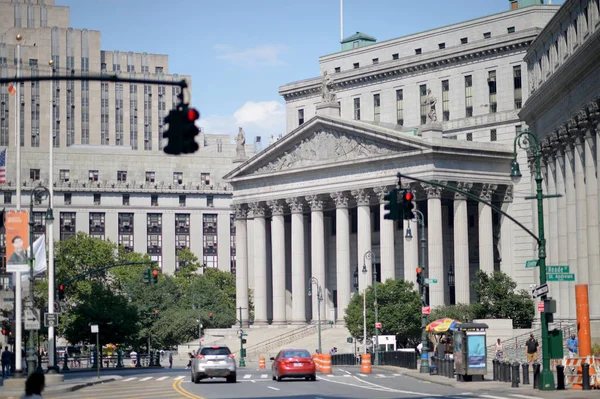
(491,397)
(330,375)
(264,375)
(146,379)
(362,375)
(162,378)
(523,396)
(397,375)
(181,377)
(247,376)
(130,379)
(347,375)
(381,375)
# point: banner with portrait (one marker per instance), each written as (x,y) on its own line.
(17,242)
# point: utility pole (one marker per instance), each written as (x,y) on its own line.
(242,350)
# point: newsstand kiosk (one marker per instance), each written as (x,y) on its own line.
(470,354)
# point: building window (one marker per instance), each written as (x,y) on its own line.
(210,201)
(4,108)
(339,108)
(34,174)
(35,106)
(158,69)
(395,56)
(442,46)
(376,107)
(67,198)
(7,197)
(182,200)
(39,224)
(150,177)
(126,231)
(469,136)
(337,70)
(130,68)
(71,103)
(97,225)
(162,109)
(446,100)
(300,117)
(210,253)
(357,108)
(493,135)
(154,200)
(422,99)
(104,114)
(517,130)
(85,107)
(356,65)
(205,178)
(487,35)
(133,117)
(517,86)
(177,177)
(154,237)
(119,114)
(64,175)
(492,91)
(55,101)
(511,29)
(418,51)
(375,60)
(400,107)
(147,117)
(67,225)
(182,234)
(468,96)
(93,175)
(125,199)
(97,199)
(232,257)
(122,176)
(464,40)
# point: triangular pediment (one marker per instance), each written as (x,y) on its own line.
(327,141)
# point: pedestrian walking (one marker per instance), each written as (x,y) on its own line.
(170,360)
(531,349)
(499,350)
(572,345)
(6,355)
(34,386)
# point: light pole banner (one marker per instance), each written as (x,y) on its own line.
(39,254)
(17,228)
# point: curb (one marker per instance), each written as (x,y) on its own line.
(70,388)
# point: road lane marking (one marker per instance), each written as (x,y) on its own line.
(330,375)
(467,393)
(146,379)
(523,396)
(181,377)
(273,388)
(247,376)
(162,378)
(264,375)
(347,375)
(130,379)
(493,397)
(179,389)
(381,375)
(379,388)
(345,371)
(362,375)
(397,375)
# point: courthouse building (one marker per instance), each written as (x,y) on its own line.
(111,178)
(317,193)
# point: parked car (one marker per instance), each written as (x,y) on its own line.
(214,361)
(293,363)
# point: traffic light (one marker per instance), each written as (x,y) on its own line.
(408,205)
(156,313)
(419,276)
(391,205)
(210,316)
(3,331)
(182,130)
(147,276)
(155,276)
(61,292)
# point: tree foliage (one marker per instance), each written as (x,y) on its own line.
(399,311)
(461,312)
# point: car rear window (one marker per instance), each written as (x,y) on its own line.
(300,353)
(215,352)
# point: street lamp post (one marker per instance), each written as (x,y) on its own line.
(423,288)
(371,256)
(38,194)
(315,281)
(528,140)
(196,305)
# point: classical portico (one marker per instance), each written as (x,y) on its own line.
(311,204)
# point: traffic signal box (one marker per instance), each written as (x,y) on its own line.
(408,205)
(182,130)
(391,205)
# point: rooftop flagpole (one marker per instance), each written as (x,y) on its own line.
(341,21)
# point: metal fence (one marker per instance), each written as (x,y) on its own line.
(404,359)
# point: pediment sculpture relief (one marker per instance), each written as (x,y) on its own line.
(327,146)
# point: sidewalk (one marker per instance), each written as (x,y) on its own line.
(67,386)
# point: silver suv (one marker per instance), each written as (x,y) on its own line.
(214,361)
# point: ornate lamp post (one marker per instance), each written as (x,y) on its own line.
(423,288)
(311,281)
(528,141)
(196,305)
(38,194)
(371,256)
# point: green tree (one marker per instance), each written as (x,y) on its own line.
(399,311)
(497,299)
(461,311)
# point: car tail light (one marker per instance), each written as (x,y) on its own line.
(232,356)
(200,356)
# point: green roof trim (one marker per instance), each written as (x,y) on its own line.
(359,36)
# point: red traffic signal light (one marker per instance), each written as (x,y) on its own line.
(154,276)
(155,273)
(408,196)
(419,276)
(4,331)
(193,114)
(408,205)
(61,292)
(210,316)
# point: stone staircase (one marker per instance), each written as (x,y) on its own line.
(253,352)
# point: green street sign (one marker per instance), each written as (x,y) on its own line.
(431,281)
(531,264)
(349,340)
(560,277)
(557,269)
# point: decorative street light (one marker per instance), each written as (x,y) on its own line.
(196,305)
(423,288)
(311,281)
(451,285)
(371,256)
(38,194)
(364,272)
(528,141)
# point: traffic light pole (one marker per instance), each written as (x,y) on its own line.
(423,290)
(242,354)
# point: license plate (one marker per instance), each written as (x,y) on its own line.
(297,364)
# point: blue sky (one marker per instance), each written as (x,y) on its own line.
(239,52)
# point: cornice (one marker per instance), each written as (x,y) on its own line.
(411,65)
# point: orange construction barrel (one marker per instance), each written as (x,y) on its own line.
(261,363)
(326,364)
(365,363)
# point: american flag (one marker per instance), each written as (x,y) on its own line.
(3,167)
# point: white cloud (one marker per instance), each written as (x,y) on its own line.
(263,55)
(257,118)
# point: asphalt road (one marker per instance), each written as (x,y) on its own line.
(344,382)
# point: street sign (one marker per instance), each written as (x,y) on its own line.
(11,268)
(431,281)
(94,329)
(28,304)
(57,307)
(426,310)
(50,319)
(539,291)
(557,269)
(32,319)
(378,325)
(560,277)
(349,340)
(540,306)
(531,263)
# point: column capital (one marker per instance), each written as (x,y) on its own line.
(432,191)
(508,194)
(464,186)
(277,207)
(487,191)
(547,150)
(362,197)
(315,202)
(340,199)
(258,210)
(381,192)
(594,114)
(575,131)
(554,140)
(296,204)
(566,140)
(241,211)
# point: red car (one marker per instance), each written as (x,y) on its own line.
(293,363)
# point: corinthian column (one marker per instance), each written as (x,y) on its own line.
(594,117)
(435,244)
(386,238)
(551,206)
(486,233)
(364,238)
(260,263)
(461,246)
(241,260)
(317,248)
(278,261)
(567,288)
(342,248)
(562,224)
(299,292)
